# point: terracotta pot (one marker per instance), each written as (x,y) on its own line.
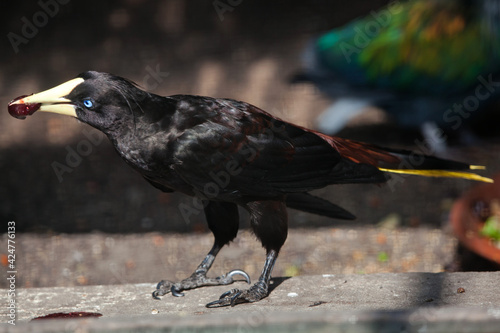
(466,222)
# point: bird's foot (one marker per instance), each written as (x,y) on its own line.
(235,296)
(197,279)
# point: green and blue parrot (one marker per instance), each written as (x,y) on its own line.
(422,61)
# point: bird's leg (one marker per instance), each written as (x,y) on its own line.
(269,223)
(199,278)
(222,218)
(255,293)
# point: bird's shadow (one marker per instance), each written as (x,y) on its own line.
(276,281)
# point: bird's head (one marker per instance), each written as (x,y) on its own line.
(101,100)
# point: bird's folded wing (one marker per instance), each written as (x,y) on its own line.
(262,156)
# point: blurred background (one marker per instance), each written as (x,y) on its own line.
(99,222)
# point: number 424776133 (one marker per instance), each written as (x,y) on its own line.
(11,234)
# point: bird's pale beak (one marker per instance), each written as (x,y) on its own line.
(52,100)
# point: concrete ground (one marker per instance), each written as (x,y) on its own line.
(403,302)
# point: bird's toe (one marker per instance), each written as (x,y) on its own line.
(227,298)
(163,287)
(176,291)
(235,296)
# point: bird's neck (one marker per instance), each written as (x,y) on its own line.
(147,134)
(137,147)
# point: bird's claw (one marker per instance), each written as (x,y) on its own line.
(235,296)
(237,272)
(228,298)
(194,281)
(157,293)
(176,291)
(162,288)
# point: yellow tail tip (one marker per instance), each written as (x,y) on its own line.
(443,173)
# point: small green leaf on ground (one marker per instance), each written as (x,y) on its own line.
(382,256)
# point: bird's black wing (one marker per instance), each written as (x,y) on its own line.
(241,151)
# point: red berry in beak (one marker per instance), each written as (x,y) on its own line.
(21,110)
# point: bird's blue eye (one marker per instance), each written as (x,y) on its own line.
(88,103)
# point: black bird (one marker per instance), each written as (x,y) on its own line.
(227,153)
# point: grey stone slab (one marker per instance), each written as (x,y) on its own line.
(410,302)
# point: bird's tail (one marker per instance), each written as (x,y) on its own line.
(311,204)
(444,173)
(403,161)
